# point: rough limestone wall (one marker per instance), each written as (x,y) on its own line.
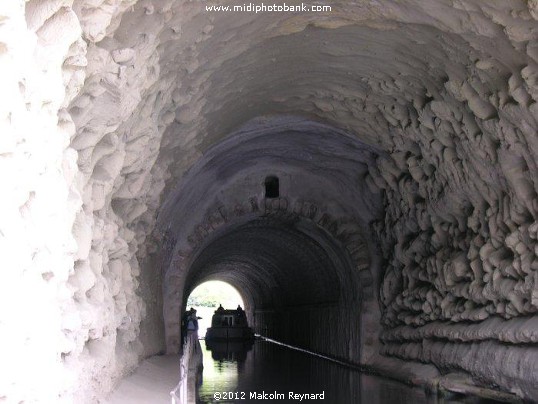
(460,233)
(71,303)
(111,151)
(41,69)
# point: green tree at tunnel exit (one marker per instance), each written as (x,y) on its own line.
(213,293)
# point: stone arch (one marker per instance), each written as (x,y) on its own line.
(343,230)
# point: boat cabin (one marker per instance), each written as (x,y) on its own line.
(229,318)
(229,324)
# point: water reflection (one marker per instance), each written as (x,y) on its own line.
(232,351)
(236,371)
(269,368)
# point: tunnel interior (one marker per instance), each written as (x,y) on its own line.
(294,256)
(372,166)
(291,286)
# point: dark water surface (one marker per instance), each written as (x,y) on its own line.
(233,375)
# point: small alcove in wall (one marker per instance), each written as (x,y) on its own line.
(272,187)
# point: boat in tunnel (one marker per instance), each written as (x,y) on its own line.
(228,325)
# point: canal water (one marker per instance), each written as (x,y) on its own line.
(267,372)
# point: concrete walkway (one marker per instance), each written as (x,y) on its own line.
(151,382)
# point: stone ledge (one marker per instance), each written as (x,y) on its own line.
(428,376)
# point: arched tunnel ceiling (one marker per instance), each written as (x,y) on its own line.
(314,162)
(370,71)
(273,259)
(373,70)
(299,248)
(361,78)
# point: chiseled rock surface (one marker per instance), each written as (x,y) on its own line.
(42,61)
(106,104)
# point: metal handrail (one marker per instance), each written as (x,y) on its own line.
(180,393)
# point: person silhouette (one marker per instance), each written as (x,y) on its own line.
(192,322)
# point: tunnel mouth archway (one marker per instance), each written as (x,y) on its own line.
(323,205)
(295,277)
(207,296)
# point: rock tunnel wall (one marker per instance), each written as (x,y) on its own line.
(108,105)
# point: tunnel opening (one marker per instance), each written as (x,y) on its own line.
(295,279)
(207,296)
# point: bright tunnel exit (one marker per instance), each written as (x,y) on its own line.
(207,297)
